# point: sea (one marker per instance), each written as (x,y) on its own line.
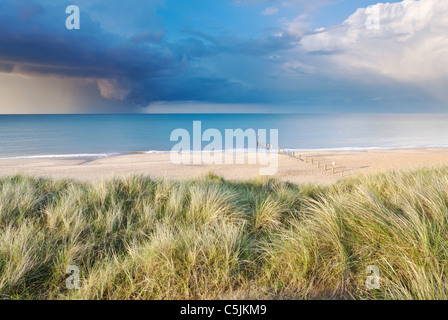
(99,136)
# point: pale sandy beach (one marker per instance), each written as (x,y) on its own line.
(289,169)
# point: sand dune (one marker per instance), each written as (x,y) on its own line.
(289,169)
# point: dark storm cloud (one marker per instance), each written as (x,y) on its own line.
(147,36)
(141,68)
(34,40)
(204,44)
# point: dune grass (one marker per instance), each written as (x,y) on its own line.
(208,238)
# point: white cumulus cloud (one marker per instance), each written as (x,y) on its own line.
(269,11)
(410,43)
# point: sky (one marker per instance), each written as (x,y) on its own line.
(218,56)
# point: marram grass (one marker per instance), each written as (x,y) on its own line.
(208,238)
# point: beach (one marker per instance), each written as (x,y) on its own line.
(347,163)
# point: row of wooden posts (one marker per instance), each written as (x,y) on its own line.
(299,157)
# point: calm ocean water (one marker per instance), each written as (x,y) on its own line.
(104,135)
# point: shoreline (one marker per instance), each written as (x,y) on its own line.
(290,169)
(149,152)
